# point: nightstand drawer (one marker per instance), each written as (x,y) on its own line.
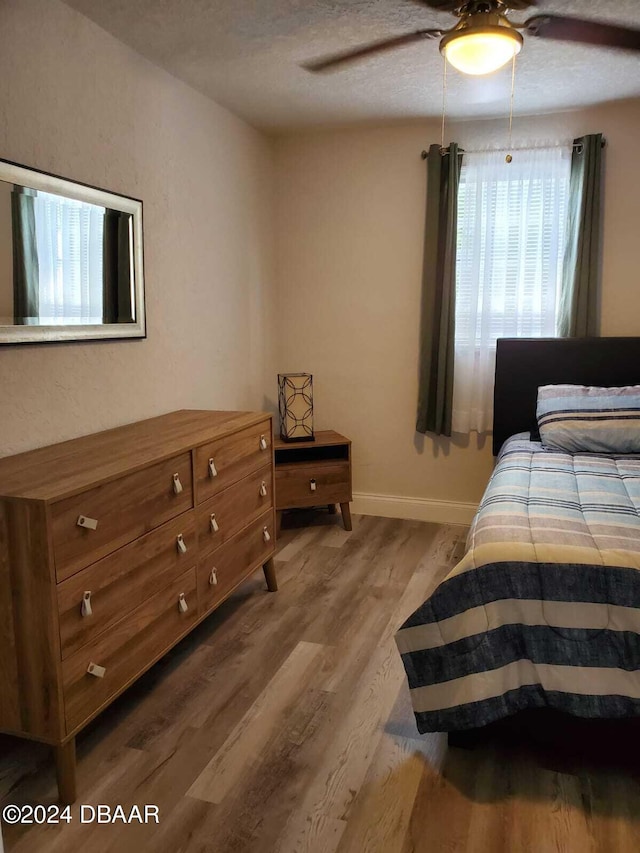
(98,672)
(94,523)
(312,485)
(229,511)
(119,583)
(223,462)
(226,567)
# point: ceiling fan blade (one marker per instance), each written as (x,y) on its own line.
(442,5)
(518,5)
(330,63)
(586,32)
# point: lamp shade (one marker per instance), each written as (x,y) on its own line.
(481,44)
(295,402)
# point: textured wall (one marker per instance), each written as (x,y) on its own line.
(350,230)
(76,102)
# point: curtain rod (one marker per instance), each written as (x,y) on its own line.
(577,146)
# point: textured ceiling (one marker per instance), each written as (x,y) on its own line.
(246,54)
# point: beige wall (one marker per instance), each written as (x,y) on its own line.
(76,102)
(347,239)
(350,211)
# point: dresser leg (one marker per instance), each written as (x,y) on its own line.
(66,771)
(346,516)
(270,575)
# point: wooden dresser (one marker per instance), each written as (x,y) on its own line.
(113,547)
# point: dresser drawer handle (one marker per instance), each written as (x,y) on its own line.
(213,523)
(265,534)
(213,578)
(313,485)
(181,544)
(85,607)
(182,603)
(177,485)
(88,523)
(263,489)
(96,670)
(263,443)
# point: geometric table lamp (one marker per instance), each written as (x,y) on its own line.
(295,401)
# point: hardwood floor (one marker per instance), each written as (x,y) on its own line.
(283,724)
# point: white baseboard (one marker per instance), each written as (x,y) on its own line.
(416,509)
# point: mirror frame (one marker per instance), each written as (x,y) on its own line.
(14,173)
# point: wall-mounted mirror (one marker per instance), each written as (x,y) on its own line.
(71,260)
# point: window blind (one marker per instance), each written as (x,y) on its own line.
(512,221)
(69,237)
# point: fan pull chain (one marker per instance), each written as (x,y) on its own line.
(509,158)
(444,100)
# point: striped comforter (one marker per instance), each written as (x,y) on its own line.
(544,609)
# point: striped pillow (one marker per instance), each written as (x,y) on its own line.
(579,419)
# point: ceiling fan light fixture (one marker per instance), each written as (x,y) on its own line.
(481,50)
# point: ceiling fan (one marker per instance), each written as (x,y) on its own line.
(484,39)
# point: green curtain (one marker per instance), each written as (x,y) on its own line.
(26,272)
(437,332)
(117,272)
(578,311)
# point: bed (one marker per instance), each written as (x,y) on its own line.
(543,611)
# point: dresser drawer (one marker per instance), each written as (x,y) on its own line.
(123,509)
(294,484)
(119,583)
(226,567)
(222,462)
(127,650)
(233,509)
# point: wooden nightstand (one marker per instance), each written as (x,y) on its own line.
(314,473)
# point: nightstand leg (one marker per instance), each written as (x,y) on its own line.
(346,516)
(270,575)
(332,509)
(66,771)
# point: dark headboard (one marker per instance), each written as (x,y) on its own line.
(523,364)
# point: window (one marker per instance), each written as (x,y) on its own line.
(510,248)
(69,238)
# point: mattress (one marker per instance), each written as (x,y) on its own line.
(544,608)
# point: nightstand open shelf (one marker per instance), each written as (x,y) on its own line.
(314,473)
